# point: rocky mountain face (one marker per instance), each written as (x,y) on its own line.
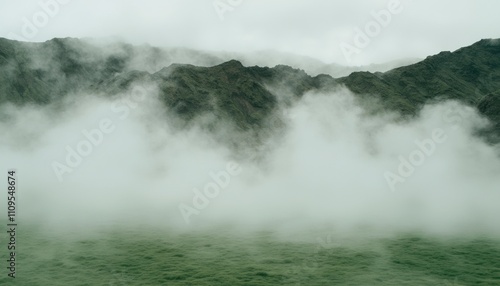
(41,73)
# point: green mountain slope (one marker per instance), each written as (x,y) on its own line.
(45,72)
(466,75)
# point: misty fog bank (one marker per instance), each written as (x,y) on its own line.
(326,166)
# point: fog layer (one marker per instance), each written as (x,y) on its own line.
(332,165)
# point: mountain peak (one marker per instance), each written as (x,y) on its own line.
(232,64)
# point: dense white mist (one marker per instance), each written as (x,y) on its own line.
(327,169)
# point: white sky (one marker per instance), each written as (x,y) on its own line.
(311,28)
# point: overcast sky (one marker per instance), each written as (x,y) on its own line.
(325,30)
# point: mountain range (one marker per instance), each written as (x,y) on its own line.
(192,83)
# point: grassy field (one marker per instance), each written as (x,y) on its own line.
(147,256)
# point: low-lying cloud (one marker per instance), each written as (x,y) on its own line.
(327,169)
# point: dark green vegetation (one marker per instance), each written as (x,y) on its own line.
(146,256)
(45,72)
